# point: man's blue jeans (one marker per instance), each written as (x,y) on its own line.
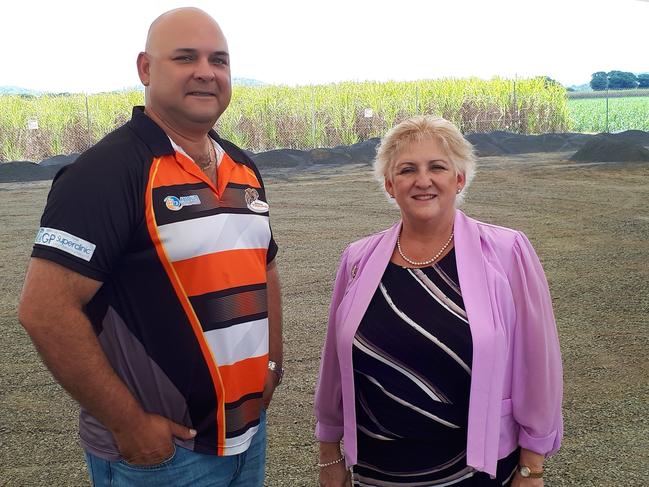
(187,468)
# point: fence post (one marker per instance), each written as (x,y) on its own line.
(88,121)
(607,131)
(313,124)
(516,112)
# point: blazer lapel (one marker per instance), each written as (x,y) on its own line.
(484,402)
(370,267)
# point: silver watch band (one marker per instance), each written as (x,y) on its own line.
(279,371)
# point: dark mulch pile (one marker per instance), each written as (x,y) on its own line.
(608,148)
(502,143)
(19,171)
(622,147)
(11,172)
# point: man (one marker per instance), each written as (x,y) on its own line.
(152,293)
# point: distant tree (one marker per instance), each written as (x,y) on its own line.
(643,80)
(599,81)
(550,82)
(584,87)
(620,80)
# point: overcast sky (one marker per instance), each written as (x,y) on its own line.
(86,46)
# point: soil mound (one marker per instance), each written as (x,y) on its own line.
(59,160)
(625,146)
(20,171)
(502,143)
(635,136)
(359,153)
(611,148)
(280,158)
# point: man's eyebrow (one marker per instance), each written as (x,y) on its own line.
(190,50)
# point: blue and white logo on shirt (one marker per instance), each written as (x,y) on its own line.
(51,237)
(175,203)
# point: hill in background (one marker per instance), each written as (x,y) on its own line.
(17,90)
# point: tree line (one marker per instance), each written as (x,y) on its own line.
(618,80)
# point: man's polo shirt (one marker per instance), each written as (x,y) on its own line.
(182,313)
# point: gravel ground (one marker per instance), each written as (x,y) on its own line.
(588,222)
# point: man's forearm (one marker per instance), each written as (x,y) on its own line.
(275,344)
(70,349)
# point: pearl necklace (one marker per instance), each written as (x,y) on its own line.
(425,262)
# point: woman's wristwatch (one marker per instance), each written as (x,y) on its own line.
(277,370)
(527,473)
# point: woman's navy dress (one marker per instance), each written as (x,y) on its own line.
(412,375)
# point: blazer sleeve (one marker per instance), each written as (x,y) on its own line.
(328,405)
(537,382)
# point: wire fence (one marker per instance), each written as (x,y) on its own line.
(37,128)
(609,111)
(291,131)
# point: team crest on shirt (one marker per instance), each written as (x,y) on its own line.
(253,202)
(175,203)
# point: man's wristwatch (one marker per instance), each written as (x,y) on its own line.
(527,473)
(279,371)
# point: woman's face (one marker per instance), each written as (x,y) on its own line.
(424,183)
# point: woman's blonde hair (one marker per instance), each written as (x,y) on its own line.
(422,127)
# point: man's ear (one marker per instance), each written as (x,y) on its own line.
(143,68)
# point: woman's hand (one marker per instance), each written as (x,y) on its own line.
(519,481)
(334,472)
(535,462)
(335,475)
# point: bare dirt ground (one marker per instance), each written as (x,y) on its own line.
(588,222)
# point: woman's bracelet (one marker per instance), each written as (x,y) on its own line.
(333,462)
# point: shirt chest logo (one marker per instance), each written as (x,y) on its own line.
(175,203)
(253,202)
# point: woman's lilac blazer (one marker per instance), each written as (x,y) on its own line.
(516,378)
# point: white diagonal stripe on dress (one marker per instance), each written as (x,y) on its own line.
(437,294)
(368,411)
(463,474)
(374,435)
(435,396)
(407,404)
(421,330)
(458,458)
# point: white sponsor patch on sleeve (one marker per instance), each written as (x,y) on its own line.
(66,242)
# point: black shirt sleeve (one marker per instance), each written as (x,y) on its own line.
(92,209)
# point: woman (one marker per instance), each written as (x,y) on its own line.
(441,364)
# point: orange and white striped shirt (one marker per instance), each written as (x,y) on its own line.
(182,314)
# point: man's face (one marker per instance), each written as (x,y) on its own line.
(186,70)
